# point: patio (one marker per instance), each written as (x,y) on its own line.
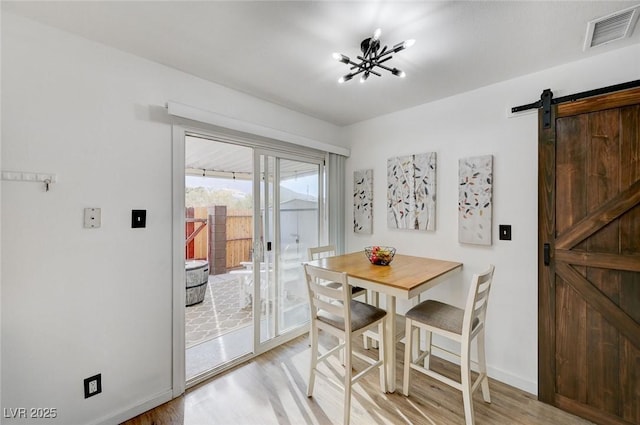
(219,313)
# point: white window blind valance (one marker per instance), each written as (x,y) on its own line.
(196,114)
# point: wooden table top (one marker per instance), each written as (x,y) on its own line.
(405,272)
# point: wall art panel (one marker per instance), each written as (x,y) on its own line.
(363,201)
(411,192)
(474,199)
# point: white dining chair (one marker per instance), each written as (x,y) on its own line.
(334,311)
(462,326)
(315,253)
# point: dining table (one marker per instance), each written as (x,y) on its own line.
(406,277)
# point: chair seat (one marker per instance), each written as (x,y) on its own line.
(354,289)
(439,315)
(362,315)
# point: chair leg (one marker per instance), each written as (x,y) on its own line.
(347,381)
(427,358)
(482,360)
(371,298)
(382,356)
(313,337)
(375,301)
(365,339)
(465,371)
(408,344)
(415,351)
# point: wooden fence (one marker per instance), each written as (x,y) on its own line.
(239,235)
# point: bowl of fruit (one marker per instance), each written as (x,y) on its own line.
(380,255)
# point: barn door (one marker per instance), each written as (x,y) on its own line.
(589,258)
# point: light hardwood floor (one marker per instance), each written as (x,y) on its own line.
(271,389)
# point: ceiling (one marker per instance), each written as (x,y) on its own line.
(280,51)
(204,157)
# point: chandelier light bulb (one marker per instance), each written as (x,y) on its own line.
(398,73)
(377,33)
(409,43)
(345,78)
(341,58)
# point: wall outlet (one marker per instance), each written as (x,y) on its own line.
(92,218)
(93,385)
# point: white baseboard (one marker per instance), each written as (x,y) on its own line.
(135,410)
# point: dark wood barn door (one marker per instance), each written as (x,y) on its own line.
(589,288)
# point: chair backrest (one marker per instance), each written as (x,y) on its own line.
(476,308)
(333,300)
(318,252)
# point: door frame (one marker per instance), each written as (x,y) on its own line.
(180,129)
(261,347)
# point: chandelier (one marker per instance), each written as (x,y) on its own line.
(372,57)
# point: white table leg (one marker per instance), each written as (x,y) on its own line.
(390,344)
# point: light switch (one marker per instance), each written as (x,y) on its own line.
(505,232)
(92,218)
(138,218)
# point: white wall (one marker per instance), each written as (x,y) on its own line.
(470,124)
(76,302)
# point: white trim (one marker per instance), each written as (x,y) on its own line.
(135,410)
(179,288)
(213,118)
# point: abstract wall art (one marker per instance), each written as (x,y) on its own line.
(474,199)
(363,201)
(411,192)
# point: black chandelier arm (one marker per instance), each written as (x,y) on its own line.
(371,71)
(386,54)
(374,61)
(360,66)
(367,68)
(354,64)
(385,67)
(353,74)
(361,70)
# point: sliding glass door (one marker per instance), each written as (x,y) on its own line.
(250,216)
(290,200)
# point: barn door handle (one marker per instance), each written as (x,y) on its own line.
(547,254)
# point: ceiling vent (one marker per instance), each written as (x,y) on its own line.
(612,27)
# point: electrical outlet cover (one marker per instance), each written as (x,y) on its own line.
(92,218)
(93,385)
